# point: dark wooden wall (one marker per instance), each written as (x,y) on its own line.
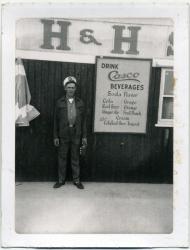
(110,157)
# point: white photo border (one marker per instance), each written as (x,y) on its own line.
(179,13)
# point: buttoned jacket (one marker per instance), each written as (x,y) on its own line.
(61,123)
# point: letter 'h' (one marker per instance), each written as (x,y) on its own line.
(119,39)
(49,34)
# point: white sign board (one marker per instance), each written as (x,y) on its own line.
(88,37)
(122,88)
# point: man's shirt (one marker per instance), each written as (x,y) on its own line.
(71,110)
(61,121)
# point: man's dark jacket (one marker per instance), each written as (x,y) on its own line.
(61,123)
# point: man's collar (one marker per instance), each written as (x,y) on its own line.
(64,98)
(71,100)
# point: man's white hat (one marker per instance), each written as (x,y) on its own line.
(69,79)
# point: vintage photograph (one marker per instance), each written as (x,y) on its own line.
(103,123)
(94,132)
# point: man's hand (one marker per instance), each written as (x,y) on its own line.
(84,142)
(83,147)
(56,142)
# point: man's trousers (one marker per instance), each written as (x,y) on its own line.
(74,146)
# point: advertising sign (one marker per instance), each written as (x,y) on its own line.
(88,37)
(121,96)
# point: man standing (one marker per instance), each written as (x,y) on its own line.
(69,128)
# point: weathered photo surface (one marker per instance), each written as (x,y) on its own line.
(128,106)
(96,143)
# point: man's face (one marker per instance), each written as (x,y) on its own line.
(70,89)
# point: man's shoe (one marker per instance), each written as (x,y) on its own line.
(58,184)
(79,185)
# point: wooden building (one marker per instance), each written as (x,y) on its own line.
(53,49)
